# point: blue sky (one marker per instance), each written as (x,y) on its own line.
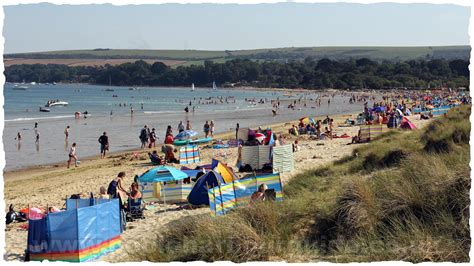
(45,27)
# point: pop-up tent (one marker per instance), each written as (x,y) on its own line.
(199,194)
(87,230)
(406,124)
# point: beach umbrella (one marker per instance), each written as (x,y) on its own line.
(187,134)
(307,120)
(399,112)
(378,109)
(260,137)
(162,173)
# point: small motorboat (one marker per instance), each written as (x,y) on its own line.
(43,109)
(52,103)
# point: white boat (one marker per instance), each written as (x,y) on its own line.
(33,83)
(214,87)
(56,103)
(44,109)
(21,88)
(192,87)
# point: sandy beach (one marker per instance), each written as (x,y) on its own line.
(49,185)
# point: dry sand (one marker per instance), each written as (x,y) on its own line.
(49,185)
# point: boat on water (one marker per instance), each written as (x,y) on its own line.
(192,87)
(43,109)
(110,85)
(20,88)
(52,103)
(214,87)
(133,88)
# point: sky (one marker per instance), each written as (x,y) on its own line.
(47,27)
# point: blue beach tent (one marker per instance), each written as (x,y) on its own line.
(199,194)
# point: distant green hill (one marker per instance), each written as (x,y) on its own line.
(277,54)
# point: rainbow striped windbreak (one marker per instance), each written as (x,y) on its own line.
(237,193)
(78,234)
(189,154)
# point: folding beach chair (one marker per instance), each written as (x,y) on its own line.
(134,210)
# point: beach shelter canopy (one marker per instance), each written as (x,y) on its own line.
(187,134)
(199,194)
(162,173)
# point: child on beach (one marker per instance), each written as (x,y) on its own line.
(188,125)
(152,138)
(212,128)
(66,132)
(180,127)
(72,155)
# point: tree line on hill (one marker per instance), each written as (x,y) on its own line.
(308,73)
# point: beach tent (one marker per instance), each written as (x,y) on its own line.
(199,193)
(406,124)
(82,233)
(225,171)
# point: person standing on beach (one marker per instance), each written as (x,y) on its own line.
(152,138)
(206,128)
(188,125)
(144,136)
(212,128)
(180,127)
(72,155)
(104,144)
(66,132)
(237,131)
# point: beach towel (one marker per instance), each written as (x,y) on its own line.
(283,160)
(189,154)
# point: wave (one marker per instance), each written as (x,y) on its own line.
(38,118)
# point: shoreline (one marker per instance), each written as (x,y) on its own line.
(9,174)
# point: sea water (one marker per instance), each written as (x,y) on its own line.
(110,111)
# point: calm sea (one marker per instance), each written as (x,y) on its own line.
(110,111)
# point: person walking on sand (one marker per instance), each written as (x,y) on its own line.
(212,128)
(72,155)
(66,132)
(104,144)
(18,136)
(206,128)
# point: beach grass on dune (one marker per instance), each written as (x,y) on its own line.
(405,196)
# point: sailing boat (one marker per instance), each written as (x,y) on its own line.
(110,83)
(192,87)
(214,87)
